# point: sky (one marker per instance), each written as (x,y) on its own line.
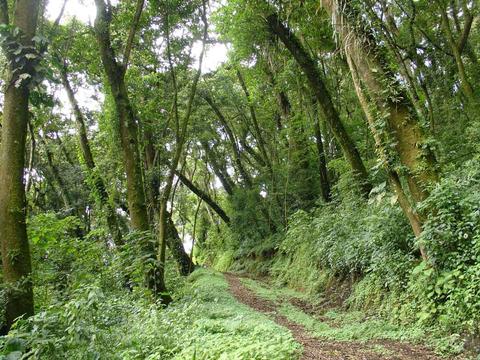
(83,10)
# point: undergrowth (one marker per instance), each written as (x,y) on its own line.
(205,322)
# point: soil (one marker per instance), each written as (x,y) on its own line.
(315,348)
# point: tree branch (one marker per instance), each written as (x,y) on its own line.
(466,32)
(204,196)
(131,34)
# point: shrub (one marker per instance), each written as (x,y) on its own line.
(447,287)
(344,240)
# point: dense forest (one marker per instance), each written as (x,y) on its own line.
(240,179)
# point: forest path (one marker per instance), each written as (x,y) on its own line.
(323,349)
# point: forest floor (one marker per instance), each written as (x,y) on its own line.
(327,333)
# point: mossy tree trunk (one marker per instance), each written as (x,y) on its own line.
(204,197)
(384,155)
(322,158)
(233,140)
(457,47)
(127,123)
(218,168)
(387,96)
(115,72)
(16,261)
(401,140)
(181,128)
(253,116)
(175,245)
(173,240)
(59,183)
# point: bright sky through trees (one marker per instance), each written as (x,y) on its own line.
(84,10)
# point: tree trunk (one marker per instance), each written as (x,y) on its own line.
(31,157)
(233,141)
(381,149)
(175,245)
(253,116)
(324,99)
(180,137)
(220,171)
(95,178)
(126,120)
(408,136)
(204,196)
(16,262)
(455,46)
(127,124)
(322,159)
(62,189)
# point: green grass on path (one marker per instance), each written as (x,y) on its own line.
(223,328)
(342,325)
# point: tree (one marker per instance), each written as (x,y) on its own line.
(95,178)
(127,122)
(18,39)
(181,127)
(392,104)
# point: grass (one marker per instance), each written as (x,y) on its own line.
(345,326)
(205,323)
(334,324)
(272,293)
(225,329)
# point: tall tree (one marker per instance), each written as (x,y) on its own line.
(16,260)
(115,71)
(458,45)
(181,127)
(388,97)
(96,179)
(322,159)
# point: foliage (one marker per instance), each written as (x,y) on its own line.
(348,239)
(448,285)
(206,323)
(342,324)
(267,181)
(225,324)
(25,60)
(372,242)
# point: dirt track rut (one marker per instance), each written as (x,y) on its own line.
(314,348)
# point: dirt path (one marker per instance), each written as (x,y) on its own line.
(315,348)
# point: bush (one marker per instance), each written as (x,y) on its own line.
(447,287)
(346,239)
(373,242)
